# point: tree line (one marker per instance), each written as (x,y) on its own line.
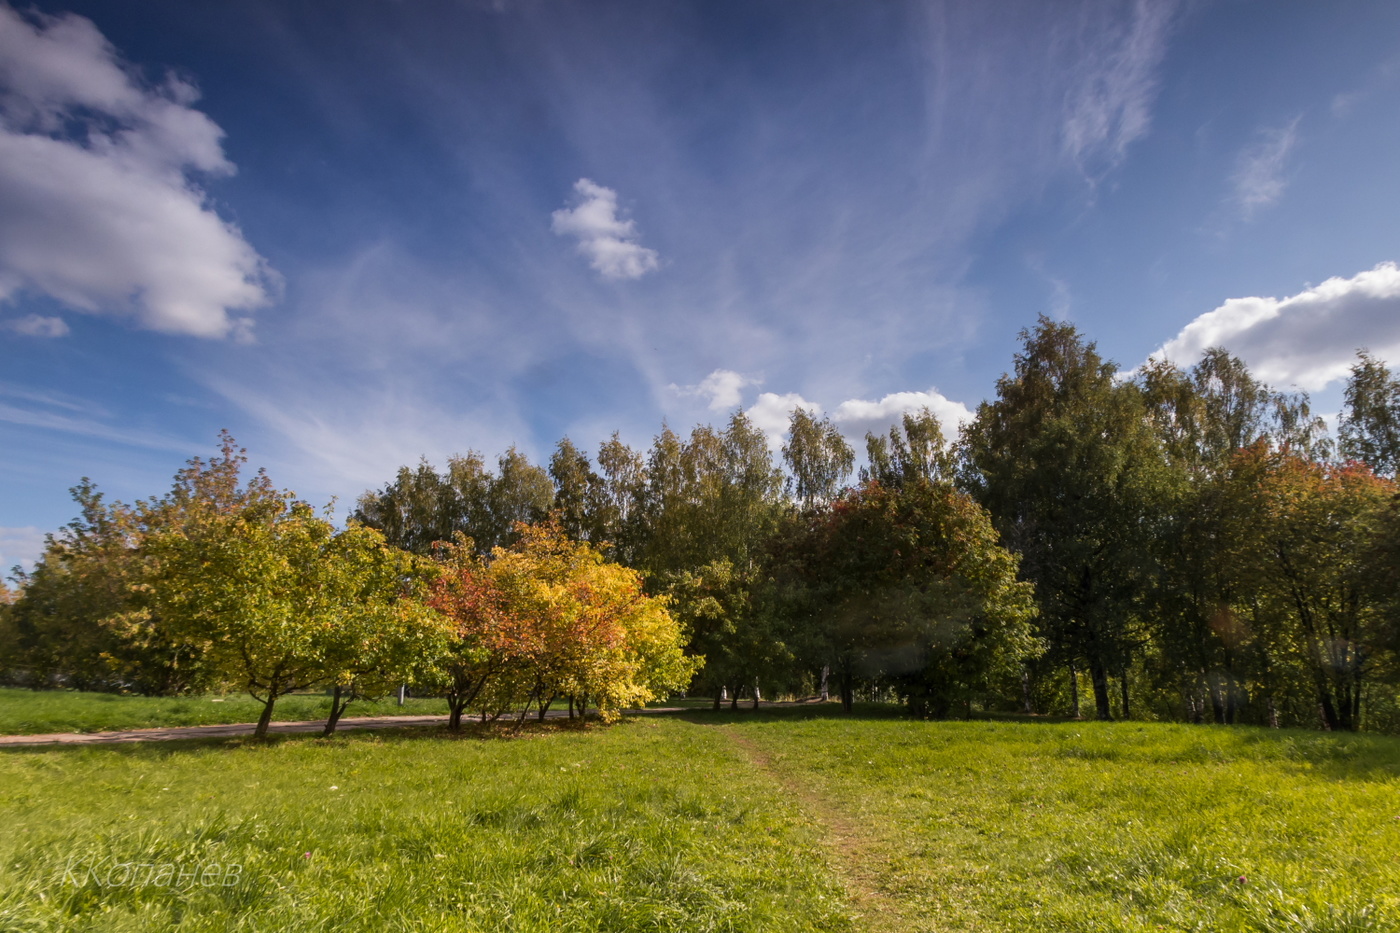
(1171,542)
(227,583)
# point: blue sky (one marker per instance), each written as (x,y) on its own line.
(354,234)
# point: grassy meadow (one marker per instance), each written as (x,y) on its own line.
(33,712)
(793,819)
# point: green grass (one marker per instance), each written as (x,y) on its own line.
(1109,826)
(32,712)
(716,821)
(653,825)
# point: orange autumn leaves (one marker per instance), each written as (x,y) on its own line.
(549,619)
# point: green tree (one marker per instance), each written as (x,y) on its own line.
(86,616)
(818,458)
(1370,421)
(1066,462)
(575,491)
(386,636)
(281,601)
(422,506)
(906,584)
(419,508)
(1304,538)
(713,497)
(918,452)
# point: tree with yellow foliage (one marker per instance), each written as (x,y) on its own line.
(550,618)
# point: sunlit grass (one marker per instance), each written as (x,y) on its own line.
(714,821)
(651,825)
(1112,826)
(30,712)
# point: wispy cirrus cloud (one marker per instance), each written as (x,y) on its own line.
(609,242)
(1259,178)
(37,325)
(20,547)
(99,207)
(1114,78)
(78,417)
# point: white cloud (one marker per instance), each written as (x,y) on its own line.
(723,387)
(856,417)
(1109,105)
(609,242)
(36,325)
(1259,180)
(20,546)
(77,417)
(772,412)
(1307,340)
(97,207)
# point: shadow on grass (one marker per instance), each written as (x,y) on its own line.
(1343,757)
(796,712)
(163,748)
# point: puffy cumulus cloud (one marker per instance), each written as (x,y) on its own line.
(772,412)
(723,387)
(609,242)
(856,417)
(97,205)
(1259,174)
(20,547)
(37,325)
(1307,340)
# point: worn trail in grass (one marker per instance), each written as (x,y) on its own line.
(651,825)
(850,847)
(783,820)
(1097,827)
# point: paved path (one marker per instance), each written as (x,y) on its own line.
(246,728)
(212,732)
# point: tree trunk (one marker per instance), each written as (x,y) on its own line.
(1123,684)
(1074,692)
(848,691)
(1098,674)
(1272,707)
(826,678)
(734,700)
(545,705)
(524,714)
(719,697)
(1217,705)
(1330,721)
(454,709)
(757,695)
(1027,706)
(266,717)
(337,708)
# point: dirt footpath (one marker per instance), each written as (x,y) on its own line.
(212,732)
(170,733)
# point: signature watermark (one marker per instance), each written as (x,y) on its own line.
(109,873)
